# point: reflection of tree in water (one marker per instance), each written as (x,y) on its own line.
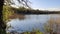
(19,16)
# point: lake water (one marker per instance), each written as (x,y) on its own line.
(30,22)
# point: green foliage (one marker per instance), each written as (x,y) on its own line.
(22,9)
(7,11)
(38,32)
(47,29)
(27,33)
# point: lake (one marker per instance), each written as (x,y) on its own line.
(30,22)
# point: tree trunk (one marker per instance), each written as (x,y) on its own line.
(2,24)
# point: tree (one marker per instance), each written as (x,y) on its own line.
(7,11)
(7,2)
(2,24)
(23,2)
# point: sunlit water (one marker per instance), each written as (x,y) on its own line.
(30,22)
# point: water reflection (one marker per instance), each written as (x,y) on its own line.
(30,22)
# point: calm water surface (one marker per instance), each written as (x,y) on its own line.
(30,22)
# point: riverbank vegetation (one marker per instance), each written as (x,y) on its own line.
(27,32)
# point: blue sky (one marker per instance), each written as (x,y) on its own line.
(44,4)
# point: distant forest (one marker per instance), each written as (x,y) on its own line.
(23,10)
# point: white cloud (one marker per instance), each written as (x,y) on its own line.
(54,9)
(50,9)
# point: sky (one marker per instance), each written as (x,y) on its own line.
(45,4)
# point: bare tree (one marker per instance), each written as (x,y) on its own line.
(23,2)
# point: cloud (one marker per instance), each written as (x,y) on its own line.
(50,9)
(54,9)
